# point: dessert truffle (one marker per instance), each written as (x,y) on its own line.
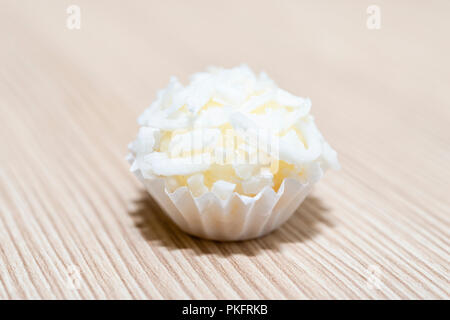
(230,156)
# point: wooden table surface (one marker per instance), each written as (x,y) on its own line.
(75,223)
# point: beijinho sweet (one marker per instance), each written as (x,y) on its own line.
(229,145)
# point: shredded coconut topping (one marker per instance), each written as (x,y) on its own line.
(229,131)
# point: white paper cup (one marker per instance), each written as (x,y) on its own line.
(236,218)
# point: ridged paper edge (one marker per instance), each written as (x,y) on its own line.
(237,218)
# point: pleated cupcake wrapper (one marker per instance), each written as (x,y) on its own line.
(236,218)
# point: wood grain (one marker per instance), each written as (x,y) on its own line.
(75,224)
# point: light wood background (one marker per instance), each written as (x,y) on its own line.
(74,223)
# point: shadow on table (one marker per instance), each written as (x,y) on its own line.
(159,230)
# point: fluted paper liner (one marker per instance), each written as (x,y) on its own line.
(236,218)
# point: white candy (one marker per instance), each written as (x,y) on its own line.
(228,117)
